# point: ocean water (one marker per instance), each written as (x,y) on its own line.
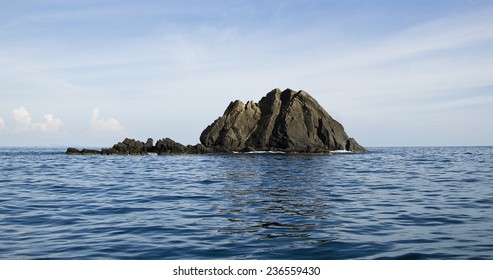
(390,203)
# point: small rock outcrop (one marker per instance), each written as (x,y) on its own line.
(288,121)
(135,147)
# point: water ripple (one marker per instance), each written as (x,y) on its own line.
(391,203)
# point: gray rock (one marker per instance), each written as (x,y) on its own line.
(200,149)
(90,152)
(73,151)
(129,147)
(149,144)
(168,146)
(286,121)
(109,151)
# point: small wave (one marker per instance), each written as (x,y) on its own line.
(384,205)
(419,256)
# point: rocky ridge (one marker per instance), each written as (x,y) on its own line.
(286,121)
(135,147)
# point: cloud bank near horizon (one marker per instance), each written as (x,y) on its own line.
(104,125)
(51,129)
(24,122)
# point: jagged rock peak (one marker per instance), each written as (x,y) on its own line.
(290,121)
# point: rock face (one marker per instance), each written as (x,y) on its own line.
(286,121)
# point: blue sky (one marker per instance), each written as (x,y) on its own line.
(394,73)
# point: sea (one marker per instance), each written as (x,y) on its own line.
(388,203)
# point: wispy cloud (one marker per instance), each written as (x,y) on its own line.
(2,124)
(104,125)
(24,122)
(196,60)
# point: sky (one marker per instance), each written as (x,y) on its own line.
(89,73)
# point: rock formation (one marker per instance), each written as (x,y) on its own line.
(286,121)
(135,147)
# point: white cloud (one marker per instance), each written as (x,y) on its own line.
(2,124)
(22,119)
(24,122)
(111,125)
(50,124)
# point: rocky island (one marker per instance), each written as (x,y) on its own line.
(282,121)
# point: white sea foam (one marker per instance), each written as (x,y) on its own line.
(265,152)
(260,152)
(341,152)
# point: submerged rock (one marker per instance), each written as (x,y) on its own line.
(288,121)
(74,151)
